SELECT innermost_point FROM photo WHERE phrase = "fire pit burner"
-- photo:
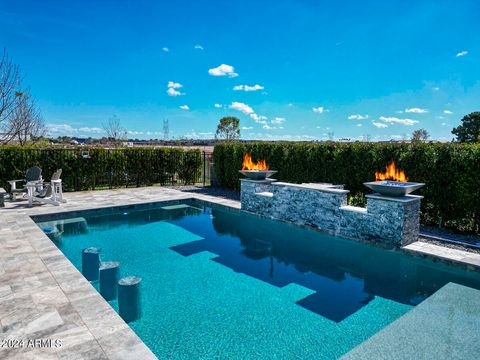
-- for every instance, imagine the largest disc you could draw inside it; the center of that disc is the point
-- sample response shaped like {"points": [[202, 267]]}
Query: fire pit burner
{"points": [[255, 170], [393, 188], [257, 174]]}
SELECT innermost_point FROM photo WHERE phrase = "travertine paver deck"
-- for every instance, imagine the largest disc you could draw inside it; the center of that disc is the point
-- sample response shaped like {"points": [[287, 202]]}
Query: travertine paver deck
{"points": [[44, 297]]}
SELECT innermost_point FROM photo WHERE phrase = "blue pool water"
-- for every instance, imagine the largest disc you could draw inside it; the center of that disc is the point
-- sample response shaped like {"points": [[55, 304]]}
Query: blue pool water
{"points": [[219, 283]]}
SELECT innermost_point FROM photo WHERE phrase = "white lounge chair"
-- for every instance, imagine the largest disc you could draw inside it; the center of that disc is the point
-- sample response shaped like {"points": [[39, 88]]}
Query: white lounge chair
{"points": [[49, 194], [33, 174]]}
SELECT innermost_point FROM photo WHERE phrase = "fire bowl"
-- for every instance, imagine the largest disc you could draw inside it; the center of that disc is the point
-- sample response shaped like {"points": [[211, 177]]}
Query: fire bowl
{"points": [[393, 188], [257, 174]]}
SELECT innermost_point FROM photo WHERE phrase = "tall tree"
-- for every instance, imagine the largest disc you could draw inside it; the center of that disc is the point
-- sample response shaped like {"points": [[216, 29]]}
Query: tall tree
{"points": [[469, 131], [420, 135], [9, 85], [228, 129], [115, 131]]}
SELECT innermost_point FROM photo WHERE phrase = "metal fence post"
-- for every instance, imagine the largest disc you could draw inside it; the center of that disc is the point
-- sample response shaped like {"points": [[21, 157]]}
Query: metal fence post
{"points": [[204, 167]]}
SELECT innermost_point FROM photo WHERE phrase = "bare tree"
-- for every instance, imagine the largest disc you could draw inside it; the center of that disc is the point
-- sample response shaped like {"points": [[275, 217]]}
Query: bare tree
{"points": [[25, 124], [115, 131], [420, 135], [9, 84]]}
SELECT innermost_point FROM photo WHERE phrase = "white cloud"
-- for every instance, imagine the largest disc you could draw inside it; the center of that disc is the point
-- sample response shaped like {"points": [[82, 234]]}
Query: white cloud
{"points": [[54, 128], [416, 110], [396, 120], [173, 92], [319, 109], [218, 106], [267, 127], [247, 127], [462, 53], [199, 47], [259, 118], [278, 120], [95, 130], [166, 49], [255, 87], [68, 129], [199, 135], [448, 112], [244, 108], [171, 86], [223, 70], [357, 117], [184, 107], [359, 125], [379, 125]]}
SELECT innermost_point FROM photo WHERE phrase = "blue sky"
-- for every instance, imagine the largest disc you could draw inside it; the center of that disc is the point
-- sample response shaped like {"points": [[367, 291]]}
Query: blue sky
{"points": [[288, 69]]}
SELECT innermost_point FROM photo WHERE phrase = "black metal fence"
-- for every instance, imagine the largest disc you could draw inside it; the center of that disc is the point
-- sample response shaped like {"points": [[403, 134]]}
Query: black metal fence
{"points": [[98, 168]]}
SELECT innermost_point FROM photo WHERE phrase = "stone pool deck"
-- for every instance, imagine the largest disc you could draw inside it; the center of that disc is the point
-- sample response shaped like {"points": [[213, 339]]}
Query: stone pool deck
{"points": [[43, 296]]}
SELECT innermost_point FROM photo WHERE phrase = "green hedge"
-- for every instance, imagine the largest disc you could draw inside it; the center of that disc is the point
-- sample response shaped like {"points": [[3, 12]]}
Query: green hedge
{"points": [[104, 168], [451, 171]]}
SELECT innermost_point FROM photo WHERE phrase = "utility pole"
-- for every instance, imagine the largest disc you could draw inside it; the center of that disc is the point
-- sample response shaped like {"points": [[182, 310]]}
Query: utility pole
{"points": [[166, 129]]}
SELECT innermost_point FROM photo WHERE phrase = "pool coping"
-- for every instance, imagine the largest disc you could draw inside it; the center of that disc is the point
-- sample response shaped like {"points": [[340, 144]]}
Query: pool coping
{"points": [[43, 296]]}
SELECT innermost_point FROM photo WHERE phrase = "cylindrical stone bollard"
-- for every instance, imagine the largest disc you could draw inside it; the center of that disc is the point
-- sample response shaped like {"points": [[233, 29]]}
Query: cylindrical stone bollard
{"points": [[90, 263], [129, 298], [109, 275]]}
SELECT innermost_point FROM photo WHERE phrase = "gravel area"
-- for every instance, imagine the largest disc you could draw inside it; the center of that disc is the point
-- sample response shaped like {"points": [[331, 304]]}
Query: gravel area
{"points": [[446, 238]]}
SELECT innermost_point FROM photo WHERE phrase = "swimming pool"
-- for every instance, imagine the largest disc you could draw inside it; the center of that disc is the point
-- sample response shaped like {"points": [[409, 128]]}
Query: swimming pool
{"points": [[219, 282]]}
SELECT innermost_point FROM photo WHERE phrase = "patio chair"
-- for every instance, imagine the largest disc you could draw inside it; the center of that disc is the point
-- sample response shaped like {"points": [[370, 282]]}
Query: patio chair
{"points": [[50, 193], [33, 174]]}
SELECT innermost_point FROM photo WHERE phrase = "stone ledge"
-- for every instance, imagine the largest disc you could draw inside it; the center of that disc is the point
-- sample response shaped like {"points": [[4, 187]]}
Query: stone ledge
{"points": [[401, 199], [265, 193], [312, 187], [357, 209], [266, 181]]}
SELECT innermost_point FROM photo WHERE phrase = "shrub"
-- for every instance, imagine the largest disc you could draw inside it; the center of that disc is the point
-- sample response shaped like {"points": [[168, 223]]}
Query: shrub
{"points": [[103, 168], [450, 171]]}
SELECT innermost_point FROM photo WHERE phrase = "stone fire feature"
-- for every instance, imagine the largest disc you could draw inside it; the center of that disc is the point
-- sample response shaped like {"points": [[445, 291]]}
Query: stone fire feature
{"points": [[385, 220]]}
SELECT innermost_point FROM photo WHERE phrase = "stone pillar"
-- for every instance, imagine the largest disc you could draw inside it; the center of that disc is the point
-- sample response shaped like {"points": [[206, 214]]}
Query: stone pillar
{"points": [[91, 263], [249, 189], [129, 295], [109, 276], [394, 219]]}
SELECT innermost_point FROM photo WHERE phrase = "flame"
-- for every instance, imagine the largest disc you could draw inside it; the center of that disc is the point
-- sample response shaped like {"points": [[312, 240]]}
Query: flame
{"points": [[248, 164], [391, 173]]}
